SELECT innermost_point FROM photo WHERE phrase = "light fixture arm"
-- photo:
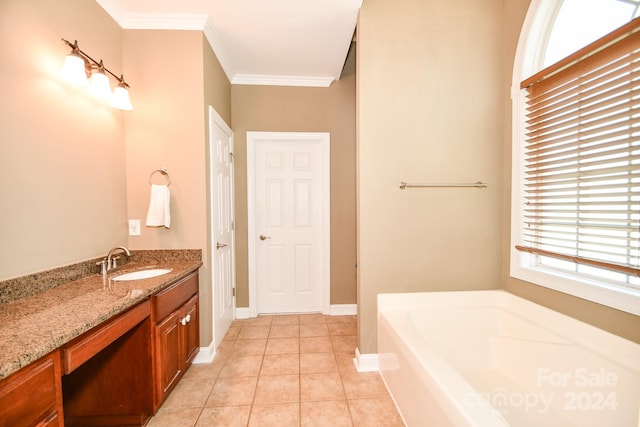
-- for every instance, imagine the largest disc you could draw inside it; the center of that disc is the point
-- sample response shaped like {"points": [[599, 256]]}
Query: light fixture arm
{"points": [[92, 63]]}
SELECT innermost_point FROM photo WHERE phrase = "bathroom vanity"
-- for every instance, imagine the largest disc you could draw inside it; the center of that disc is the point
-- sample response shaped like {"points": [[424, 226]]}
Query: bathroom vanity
{"points": [[97, 353]]}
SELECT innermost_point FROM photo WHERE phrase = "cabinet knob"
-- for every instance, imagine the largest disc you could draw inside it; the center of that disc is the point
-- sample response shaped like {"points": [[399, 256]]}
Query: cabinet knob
{"points": [[186, 319]]}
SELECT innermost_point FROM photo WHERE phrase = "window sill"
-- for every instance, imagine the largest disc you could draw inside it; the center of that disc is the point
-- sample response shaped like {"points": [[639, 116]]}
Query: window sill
{"points": [[626, 300]]}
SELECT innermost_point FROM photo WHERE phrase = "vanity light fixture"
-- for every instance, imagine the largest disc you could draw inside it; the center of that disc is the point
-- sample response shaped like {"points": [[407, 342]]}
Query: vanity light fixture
{"points": [[74, 68], [99, 84], [120, 99], [79, 67]]}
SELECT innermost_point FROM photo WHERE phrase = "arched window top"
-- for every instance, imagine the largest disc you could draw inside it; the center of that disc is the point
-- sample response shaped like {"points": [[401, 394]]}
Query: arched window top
{"points": [[580, 22], [575, 102]]}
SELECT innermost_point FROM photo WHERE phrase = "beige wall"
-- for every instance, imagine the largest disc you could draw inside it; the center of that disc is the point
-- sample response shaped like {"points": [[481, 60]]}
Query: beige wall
{"points": [[73, 170], [430, 109], [217, 89], [442, 72], [166, 129], [62, 169], [174, 77], [288, 109]]}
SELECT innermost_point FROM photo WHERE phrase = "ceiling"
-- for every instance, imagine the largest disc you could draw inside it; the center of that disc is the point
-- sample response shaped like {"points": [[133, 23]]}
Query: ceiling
{"points": [[266, 42]]}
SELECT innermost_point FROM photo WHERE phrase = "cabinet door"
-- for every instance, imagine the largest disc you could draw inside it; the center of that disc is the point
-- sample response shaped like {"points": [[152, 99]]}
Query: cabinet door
{"points": [[191, 330], [33, 394], [169, 354]]}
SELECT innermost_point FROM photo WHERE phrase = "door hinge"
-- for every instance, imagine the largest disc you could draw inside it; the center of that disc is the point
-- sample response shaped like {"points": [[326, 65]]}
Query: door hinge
{"points": [[231, 156], [233, 225], [234, 291]]}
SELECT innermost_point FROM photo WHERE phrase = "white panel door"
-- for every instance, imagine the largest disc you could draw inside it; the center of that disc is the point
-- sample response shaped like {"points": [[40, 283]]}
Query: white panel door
{"points": [[221, 149], [290, 217]]}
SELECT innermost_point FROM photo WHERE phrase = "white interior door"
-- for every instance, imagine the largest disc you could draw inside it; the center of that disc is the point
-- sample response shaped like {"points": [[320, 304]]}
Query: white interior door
{"points": [[222, 225], [290, 221]]}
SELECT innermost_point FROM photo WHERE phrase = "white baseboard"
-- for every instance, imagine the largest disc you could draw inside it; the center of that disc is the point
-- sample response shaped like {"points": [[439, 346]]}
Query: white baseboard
{"points": [[244, 313], [205, 354], [343, 309], [366, 362], [334, 310]]}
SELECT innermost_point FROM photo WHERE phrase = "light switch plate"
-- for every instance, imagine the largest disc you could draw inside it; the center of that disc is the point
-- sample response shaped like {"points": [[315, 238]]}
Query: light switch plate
{"points": [[134, 227]]}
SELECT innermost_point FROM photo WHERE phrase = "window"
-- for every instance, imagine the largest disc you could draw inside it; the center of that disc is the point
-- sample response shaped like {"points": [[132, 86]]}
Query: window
{"points": [[580, 22], [576, 211]]}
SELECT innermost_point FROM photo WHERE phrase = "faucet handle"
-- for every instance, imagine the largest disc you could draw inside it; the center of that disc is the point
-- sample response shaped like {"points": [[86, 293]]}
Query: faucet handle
{"points": [[114, 263], [103, 266]]}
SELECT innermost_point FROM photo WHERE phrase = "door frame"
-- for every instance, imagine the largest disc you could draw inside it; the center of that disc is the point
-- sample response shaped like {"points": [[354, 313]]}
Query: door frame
{"points": [[324, 139], [215, 118]]}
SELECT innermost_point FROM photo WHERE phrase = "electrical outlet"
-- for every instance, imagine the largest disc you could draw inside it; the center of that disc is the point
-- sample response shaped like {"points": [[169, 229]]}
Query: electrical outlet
{"points": [[134, 227]]}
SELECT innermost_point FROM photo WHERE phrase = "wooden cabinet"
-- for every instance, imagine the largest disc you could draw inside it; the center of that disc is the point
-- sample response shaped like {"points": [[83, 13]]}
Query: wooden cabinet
{"points": [[176, 334], [33, 395], [117, 373], [108, 372]]}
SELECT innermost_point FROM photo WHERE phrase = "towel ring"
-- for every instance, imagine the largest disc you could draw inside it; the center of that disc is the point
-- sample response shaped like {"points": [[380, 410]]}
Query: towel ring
{"points": [[163, 171]]}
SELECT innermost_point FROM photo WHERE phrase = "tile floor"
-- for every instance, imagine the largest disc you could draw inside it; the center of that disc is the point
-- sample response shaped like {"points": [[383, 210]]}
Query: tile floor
{"points": [[281, 370]]}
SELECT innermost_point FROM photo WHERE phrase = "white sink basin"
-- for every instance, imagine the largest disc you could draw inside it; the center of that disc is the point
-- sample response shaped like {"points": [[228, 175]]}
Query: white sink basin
{"points": [[142, 274]]}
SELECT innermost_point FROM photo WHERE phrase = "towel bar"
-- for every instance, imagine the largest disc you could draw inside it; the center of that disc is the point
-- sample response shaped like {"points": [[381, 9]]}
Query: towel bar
{"points": [[478, 184]]}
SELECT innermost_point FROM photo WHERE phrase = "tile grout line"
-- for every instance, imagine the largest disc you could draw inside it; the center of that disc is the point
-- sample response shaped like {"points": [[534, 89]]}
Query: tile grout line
{"points": [[215, 380], [341, 380], [299, 378], [255, 391]]}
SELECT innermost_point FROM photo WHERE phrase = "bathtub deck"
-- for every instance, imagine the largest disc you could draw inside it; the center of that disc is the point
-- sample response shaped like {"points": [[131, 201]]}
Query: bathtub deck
{"points": [[489, 358]]}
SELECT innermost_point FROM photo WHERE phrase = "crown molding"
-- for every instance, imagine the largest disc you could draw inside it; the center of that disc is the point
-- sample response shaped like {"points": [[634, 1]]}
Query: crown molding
{"points": [[268, 80], [163, 21], [133, 21], [202, 22], [114, 10], [212, 37], [153, 21]]}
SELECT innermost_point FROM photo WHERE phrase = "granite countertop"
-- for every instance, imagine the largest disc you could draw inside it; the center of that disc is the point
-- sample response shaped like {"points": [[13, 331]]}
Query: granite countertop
{"points": [[34, 326]]}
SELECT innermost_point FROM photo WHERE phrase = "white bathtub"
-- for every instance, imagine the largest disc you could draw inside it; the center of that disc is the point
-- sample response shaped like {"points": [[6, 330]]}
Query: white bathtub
{"points": [[490, 358]]}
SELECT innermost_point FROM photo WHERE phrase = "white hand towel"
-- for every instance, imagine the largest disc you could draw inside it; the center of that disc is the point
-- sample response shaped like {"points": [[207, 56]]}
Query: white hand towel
{"points": [[159, 214]]}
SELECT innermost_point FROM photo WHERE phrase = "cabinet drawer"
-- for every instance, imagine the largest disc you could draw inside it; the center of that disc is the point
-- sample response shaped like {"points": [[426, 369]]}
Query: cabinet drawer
{"points": [[168, 300], [29, 395], [88, 345]]}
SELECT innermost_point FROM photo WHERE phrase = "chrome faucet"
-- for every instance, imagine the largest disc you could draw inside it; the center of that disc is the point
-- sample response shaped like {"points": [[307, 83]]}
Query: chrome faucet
{"points": [[111, 262]]}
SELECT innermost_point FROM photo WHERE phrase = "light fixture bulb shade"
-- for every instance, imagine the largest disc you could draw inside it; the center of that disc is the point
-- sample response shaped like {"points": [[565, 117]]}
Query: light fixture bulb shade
{"points": [[73, 70], [121, 99], [99, 86]]}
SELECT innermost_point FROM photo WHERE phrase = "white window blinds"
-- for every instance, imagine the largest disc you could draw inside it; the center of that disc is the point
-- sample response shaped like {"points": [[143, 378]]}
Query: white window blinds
{"points": [[582, 178]]}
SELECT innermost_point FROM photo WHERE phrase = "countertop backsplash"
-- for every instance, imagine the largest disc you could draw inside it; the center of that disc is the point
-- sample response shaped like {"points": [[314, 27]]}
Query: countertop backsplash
{"points": [[34, 283], [166, 255]]}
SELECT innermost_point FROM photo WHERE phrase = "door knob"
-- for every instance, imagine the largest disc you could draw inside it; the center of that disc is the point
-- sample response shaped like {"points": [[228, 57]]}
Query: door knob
{"points": [[263, 237], [220, 245]]}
